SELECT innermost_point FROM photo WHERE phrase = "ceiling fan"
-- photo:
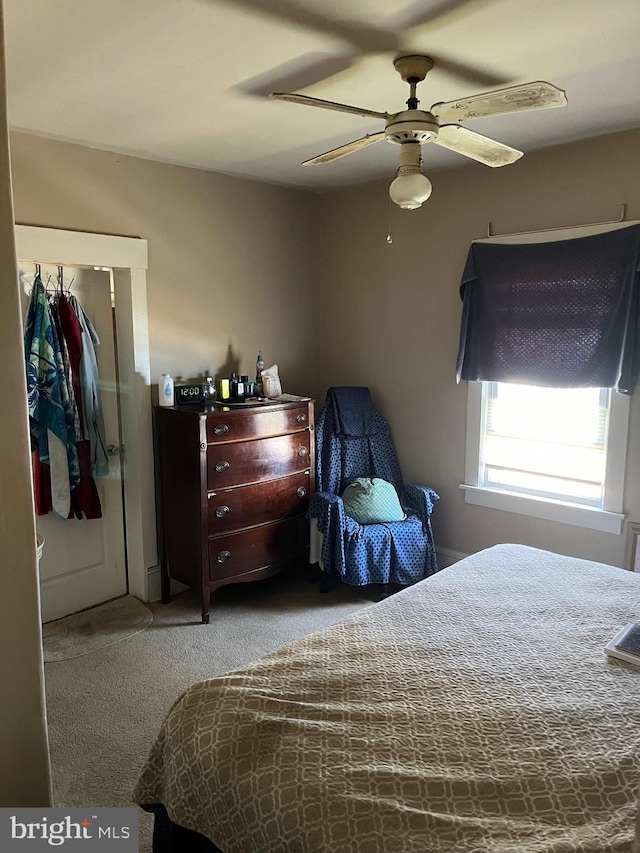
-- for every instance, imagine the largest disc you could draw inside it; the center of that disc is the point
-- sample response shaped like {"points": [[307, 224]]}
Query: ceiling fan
{"points": [[413, 127]]}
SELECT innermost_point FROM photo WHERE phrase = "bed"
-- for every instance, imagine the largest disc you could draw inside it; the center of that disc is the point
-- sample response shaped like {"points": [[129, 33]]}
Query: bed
{"points": [[474, 711]]}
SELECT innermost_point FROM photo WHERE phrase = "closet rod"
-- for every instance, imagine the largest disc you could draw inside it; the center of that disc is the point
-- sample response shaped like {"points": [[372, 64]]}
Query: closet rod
{"points": [[623, 213], [57, 264]]}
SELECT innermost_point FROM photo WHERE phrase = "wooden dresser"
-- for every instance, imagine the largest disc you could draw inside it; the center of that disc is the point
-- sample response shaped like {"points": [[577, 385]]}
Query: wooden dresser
{"points": [[232, 487]]}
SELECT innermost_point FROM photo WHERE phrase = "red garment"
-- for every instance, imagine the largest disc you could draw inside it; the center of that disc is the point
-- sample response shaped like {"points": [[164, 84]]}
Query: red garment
{"points": [[85, 498], [41, 485]]}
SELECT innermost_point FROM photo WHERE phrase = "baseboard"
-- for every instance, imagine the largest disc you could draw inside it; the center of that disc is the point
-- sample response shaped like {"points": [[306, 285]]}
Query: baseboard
{"points": [[447, 557], [154, 585]]}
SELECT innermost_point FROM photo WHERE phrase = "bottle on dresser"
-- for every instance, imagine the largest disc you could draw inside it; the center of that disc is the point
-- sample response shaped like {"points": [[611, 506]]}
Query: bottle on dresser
{"points": [[165, 390], [240, 389], [259, 369], [233, 386]]}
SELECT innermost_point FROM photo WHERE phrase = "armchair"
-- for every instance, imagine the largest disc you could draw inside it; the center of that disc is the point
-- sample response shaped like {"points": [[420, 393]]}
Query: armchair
{"points": [[352, 441]]}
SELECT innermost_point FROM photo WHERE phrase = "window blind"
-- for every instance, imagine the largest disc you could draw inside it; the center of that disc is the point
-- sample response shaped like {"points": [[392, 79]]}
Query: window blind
{"points": [[559, 313]]}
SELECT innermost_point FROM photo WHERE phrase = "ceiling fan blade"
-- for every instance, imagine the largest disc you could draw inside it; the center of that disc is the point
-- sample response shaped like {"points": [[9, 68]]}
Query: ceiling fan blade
{"points": [[326, 105], [475, 145], [528, 96], [343, 150]]}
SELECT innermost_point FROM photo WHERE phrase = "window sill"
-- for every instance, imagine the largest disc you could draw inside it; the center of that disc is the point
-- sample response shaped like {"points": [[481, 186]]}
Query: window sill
{"points": [[550, 510]]}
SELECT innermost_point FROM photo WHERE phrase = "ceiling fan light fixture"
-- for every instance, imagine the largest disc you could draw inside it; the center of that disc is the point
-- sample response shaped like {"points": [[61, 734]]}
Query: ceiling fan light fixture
{"points": [[410, 188]]}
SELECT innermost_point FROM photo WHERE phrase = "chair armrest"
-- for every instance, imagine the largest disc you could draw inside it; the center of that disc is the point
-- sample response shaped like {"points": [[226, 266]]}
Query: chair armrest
{"points": [[326, 506], [323, 503], [421, 500], [334, 524]]}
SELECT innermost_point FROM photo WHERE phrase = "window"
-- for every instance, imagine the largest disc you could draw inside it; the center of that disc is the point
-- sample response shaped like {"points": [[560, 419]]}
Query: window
{"points": [[551, 453], [549, 442]]}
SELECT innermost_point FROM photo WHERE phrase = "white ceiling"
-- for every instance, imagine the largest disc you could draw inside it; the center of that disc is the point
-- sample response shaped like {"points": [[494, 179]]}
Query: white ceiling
{"points": [[185, 81]]}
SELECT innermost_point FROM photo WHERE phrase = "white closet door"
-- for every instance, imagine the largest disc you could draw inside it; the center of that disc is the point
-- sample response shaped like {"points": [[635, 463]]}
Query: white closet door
{"points": [[83, 562]]}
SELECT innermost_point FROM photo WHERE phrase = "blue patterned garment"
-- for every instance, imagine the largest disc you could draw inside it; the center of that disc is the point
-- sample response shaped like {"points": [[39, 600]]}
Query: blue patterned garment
{"points": [[353, 440], [50, 413]]}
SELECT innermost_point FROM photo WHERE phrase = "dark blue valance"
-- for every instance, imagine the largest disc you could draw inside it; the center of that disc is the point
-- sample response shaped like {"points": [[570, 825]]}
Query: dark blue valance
{"points": [[563, 314]]}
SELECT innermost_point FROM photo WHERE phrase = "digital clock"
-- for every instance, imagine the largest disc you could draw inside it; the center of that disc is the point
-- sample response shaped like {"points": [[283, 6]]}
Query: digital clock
{"points": [[187, 394]]}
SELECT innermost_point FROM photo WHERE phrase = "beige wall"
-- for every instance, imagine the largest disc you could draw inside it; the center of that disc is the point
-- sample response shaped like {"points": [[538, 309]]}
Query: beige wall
{"points": [[24, 757], [391, 312], [229, 259]]}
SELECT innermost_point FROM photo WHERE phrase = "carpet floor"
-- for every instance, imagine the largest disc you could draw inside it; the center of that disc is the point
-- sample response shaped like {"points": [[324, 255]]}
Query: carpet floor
{"points": [[105, 708]]}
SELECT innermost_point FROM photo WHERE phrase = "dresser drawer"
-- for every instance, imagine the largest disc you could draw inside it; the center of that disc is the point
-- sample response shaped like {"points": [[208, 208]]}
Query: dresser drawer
{"points": [[254, 461], [234, 509], [255, 423], [238, 553]]}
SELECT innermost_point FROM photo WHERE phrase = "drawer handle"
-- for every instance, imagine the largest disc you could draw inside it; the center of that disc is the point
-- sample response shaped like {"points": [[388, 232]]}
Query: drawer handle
{"points": [[222, 511], [221, 429], [223, 556], [301, 491], [301, 418], [222, 466], [302, 451]]}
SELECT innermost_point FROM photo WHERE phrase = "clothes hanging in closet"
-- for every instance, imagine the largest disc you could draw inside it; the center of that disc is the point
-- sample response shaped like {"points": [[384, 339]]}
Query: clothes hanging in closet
{"points": [[50, 417], [65, 409], [84, 498]]}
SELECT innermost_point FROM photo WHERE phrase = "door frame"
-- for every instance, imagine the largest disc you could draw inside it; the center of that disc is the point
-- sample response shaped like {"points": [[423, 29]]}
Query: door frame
{"points": [[127, 258]]}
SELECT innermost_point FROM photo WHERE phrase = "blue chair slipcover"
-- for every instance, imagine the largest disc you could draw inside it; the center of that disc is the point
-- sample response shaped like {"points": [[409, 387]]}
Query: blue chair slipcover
{"points": [[353, 440]]}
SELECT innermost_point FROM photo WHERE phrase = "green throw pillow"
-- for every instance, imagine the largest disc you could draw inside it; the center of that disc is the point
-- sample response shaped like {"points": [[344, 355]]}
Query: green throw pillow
{"points": [[370, 500]]}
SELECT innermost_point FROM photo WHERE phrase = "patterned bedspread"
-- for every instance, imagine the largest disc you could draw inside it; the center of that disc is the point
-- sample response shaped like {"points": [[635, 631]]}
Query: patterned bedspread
{"points": [[475, 711]]}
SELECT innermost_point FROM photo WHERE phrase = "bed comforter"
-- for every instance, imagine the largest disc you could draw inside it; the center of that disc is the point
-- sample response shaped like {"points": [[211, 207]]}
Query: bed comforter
{"points": [[473, 712]]}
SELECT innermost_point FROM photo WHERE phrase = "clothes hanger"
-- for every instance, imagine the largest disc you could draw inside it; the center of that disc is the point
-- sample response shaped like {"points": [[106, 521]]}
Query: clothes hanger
{"points": [[36, 275], [64, 290]]}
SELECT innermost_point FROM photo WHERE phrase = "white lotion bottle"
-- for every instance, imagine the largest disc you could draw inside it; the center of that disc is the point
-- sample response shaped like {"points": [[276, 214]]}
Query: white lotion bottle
{"points": [[165, 395]]}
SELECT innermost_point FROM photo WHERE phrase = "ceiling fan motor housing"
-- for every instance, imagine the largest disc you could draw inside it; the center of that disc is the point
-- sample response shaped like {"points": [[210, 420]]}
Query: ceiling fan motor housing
{"points": [[411, 126]]}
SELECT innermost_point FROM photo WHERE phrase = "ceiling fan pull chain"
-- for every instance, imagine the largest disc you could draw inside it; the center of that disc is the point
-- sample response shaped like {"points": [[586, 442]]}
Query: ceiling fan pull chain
{"points": [[389, 237]]}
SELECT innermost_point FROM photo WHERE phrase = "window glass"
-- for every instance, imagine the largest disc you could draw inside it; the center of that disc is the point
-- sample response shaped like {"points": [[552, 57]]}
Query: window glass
{"points": [[550, 442]]}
